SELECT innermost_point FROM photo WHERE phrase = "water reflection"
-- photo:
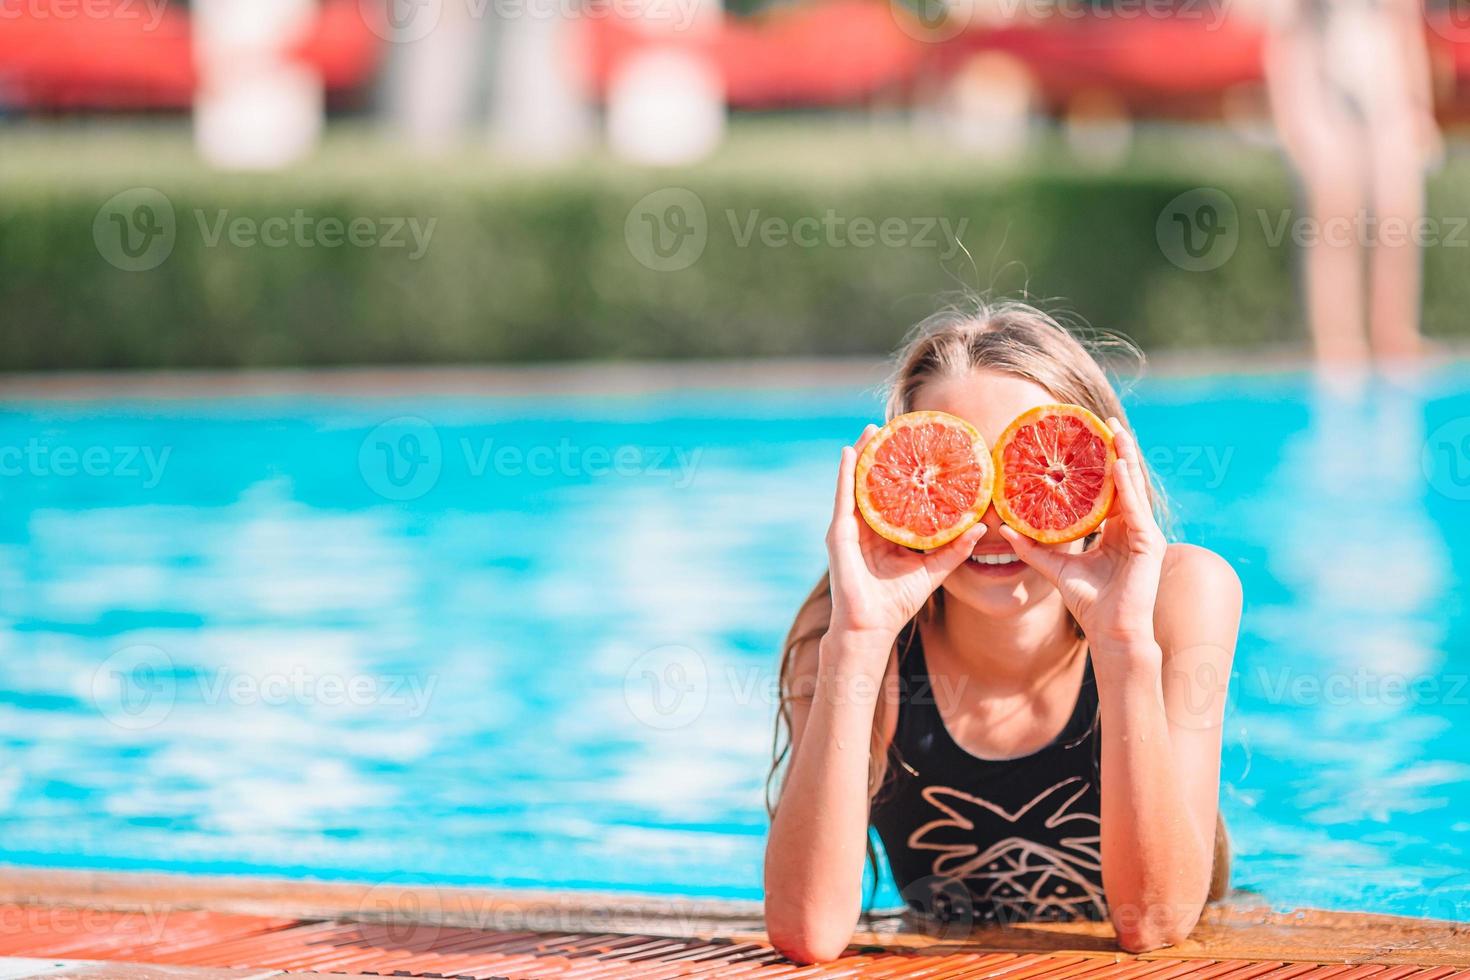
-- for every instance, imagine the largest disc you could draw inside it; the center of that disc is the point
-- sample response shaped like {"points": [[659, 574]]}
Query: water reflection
{"points": [[567, 678], [1342, 697]]}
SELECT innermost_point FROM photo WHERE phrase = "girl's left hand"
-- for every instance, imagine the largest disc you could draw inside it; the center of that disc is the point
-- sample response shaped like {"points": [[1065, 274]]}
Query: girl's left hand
{"points": [[1110, 589]]}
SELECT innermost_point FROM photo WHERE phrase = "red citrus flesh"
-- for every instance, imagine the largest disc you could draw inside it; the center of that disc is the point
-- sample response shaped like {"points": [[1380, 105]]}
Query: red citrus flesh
{"points": [[1054, 473], [924, 479]]}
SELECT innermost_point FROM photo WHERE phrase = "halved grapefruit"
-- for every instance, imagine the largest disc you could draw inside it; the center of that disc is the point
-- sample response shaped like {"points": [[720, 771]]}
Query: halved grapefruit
{"points": [[924, 479], [1054, 473]]}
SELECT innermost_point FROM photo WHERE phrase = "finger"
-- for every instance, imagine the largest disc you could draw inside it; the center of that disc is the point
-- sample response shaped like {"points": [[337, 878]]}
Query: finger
{"points": [[1128, 482], [1124, 445], [1132, 500], [844, 504], [1139, 476], [1121, 449], [1046, 561], [947, 558]]}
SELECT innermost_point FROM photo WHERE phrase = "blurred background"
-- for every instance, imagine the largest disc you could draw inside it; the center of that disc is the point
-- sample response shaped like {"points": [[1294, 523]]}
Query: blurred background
{"points": [[418, 417]]}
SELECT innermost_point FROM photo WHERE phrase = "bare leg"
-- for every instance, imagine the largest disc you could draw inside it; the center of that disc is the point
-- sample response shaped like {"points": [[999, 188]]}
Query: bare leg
{"points": [[1334, 263], [1325, 143], [1395, 273]]}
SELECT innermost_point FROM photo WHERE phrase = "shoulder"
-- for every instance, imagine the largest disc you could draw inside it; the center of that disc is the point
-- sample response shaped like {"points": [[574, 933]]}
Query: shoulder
{"points": [[1199, 600], [1192, 570]]}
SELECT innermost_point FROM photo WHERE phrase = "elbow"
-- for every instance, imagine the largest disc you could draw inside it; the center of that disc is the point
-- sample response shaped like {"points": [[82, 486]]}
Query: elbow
{"points": [[807, 948], [1143, 934], [805, 942], [1142, 939]]}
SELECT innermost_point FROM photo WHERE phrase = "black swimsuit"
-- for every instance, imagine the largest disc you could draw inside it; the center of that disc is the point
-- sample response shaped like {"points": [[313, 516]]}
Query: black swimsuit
{"points": [[988, 840]]}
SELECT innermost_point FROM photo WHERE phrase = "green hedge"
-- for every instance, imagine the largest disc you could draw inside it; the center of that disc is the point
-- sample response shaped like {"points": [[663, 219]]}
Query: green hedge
{"points": [[537, 266]]}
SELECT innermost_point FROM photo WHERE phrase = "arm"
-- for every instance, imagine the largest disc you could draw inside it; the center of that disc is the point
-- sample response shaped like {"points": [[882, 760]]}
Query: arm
{"points": [[1152, 614], [1163, 703], [814, 855]]}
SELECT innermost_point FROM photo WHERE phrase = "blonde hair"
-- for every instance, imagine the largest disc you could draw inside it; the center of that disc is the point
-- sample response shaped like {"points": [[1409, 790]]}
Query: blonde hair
{"points": [[1009, 337]]}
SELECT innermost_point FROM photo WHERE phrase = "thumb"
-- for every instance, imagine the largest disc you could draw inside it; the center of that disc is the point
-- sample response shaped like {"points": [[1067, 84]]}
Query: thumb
{"points": [[1049, 563], [946, 558]]}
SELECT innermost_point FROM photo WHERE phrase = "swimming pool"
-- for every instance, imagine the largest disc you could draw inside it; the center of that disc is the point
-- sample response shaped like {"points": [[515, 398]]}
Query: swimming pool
{"points": [[530, 641]]}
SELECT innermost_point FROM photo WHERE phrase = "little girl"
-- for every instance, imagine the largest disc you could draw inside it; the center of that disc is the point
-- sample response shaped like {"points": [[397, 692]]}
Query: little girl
{"points": [[1032, 730]]}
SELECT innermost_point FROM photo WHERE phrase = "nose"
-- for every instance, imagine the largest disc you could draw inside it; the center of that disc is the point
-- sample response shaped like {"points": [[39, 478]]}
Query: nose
{"points": [[991, 520]]}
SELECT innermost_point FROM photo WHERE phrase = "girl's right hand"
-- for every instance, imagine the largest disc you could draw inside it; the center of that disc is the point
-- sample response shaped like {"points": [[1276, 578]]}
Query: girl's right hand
{"points": [[878, 586]]}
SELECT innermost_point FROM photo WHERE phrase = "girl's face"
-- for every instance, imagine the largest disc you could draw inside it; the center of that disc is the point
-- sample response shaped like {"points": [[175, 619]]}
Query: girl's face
{"points": [[990, 401]]}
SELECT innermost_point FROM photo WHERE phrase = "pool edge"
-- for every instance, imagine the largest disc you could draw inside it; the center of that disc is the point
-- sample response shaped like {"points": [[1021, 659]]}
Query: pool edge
{"points": [[1234, 931]]}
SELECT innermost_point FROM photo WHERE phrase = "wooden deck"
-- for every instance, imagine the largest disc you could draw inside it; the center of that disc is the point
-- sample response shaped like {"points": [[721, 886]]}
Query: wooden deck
{"points": [[151, 927]]}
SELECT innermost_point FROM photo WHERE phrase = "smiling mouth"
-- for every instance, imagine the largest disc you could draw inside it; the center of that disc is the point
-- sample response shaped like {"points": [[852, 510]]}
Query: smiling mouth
{"points": [[998, 559]]}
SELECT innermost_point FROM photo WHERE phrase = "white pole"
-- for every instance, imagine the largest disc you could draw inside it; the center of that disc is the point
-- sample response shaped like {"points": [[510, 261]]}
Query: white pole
{"points": [[539, 108], [666, 103], [255, 109], [439, 48]]}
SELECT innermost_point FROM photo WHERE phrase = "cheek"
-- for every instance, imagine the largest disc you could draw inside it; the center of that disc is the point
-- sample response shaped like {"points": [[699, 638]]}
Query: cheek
{"points": [[1073, 547]]}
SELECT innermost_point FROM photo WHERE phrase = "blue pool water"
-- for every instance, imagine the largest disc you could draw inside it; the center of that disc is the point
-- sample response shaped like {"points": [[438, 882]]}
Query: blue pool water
{"points": [[531, 641]]}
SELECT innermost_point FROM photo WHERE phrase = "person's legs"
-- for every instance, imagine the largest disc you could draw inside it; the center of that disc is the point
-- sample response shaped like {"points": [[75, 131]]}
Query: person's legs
{"points": [[1333, 261], [1325, 140], [1395, 261]]}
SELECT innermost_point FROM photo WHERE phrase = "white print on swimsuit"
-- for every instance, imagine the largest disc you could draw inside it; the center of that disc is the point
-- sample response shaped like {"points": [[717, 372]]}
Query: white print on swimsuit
{"points": [[36, 459], [68, 10], [1022, 877], [1365, 229], [833, 230], [302, 230], [569, 459]]}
